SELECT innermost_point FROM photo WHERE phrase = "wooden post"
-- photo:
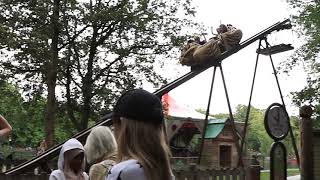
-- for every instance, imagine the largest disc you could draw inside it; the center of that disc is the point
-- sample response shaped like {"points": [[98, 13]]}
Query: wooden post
{"points": [[253, 172], [306, 165]]}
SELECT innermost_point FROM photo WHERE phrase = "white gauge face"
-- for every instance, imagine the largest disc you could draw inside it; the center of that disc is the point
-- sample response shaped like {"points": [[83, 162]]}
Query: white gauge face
{"points": [[277, 121]]}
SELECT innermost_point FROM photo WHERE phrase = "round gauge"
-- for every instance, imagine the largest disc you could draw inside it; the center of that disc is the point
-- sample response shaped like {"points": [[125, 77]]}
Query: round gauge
{"points": [[276, 121]]}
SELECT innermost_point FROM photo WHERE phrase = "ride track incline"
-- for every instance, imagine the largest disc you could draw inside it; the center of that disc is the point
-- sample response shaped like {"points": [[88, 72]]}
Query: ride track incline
{"points": [[106, 120]]}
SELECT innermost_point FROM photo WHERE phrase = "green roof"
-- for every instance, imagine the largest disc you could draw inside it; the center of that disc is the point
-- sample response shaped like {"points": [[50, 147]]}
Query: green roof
{"points": [[214, 127], [216, 121]]}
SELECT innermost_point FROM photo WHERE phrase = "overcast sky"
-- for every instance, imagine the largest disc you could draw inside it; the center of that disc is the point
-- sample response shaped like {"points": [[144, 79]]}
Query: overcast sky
{"points": [[251, 16]]}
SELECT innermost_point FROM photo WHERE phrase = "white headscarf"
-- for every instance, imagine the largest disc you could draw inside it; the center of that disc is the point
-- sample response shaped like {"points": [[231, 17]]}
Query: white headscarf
{"points": [[63, 165], [100, 143]]}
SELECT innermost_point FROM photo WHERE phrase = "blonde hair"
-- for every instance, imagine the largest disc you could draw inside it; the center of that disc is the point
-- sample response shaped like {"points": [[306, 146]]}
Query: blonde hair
{"points": [[100, 143], [146, 143]]}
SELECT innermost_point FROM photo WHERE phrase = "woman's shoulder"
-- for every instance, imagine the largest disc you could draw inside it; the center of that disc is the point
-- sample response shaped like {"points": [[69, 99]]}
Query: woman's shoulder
{"points": [[56, 174], [99, 167], [86, 176], [59, 175], [107, 163], [129, 169]]}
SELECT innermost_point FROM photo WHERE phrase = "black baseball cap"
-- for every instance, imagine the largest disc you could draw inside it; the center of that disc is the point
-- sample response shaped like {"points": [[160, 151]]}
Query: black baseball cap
{"points": [[140, 105]]}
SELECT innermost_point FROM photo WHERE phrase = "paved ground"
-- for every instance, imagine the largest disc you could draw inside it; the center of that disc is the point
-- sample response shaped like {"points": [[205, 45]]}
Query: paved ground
{"points": [[297, 177]]}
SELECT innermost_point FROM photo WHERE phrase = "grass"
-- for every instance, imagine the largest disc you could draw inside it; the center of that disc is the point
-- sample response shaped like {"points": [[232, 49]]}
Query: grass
{"points": [[265, 175]]}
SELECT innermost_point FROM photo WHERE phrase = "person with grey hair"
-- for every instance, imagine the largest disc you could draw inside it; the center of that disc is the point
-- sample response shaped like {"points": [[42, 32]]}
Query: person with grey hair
{"points": [[100, 150]]}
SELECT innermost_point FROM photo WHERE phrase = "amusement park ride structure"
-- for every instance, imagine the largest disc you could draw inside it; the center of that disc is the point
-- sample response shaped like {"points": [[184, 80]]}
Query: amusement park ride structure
{"points": [[42, 160]]}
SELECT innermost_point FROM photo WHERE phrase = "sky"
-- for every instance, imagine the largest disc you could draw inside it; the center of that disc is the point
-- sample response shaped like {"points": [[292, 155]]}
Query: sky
{"points": [[251, 16]]}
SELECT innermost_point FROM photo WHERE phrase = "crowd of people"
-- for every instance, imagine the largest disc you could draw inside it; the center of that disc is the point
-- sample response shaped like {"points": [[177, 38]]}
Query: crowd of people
{"points": [[136, 149]]}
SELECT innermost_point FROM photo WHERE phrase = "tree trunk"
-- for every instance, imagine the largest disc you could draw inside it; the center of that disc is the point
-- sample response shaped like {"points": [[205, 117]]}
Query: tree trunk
{"points": [[88, 81], [87, 91], [51, 77]]}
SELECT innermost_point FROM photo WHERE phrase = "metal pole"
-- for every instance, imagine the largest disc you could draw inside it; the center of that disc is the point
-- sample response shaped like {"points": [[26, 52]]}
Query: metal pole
{"points": [[207, 115], [275, 72], [249, 104], [240, 163], [226, 92], [281, 96]]}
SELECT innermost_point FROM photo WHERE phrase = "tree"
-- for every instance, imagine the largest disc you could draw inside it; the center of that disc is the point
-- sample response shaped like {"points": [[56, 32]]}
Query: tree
{"points": [[51, 74], [95, 49], [203, 111], [30, 29], [26, 117], [11, 107], [294, 122], [307, 21], [116, 48], [257, 138]]}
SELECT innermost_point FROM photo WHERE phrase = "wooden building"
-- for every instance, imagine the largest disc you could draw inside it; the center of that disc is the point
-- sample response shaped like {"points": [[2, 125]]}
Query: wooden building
{"points": [[184, 129], [219, 150]]}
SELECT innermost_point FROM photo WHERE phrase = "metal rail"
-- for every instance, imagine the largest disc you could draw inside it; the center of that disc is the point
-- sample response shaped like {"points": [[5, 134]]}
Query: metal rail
{"points": [[81, 136]]}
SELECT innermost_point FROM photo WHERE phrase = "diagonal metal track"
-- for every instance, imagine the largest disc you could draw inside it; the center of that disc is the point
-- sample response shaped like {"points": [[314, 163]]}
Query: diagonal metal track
{"points": [[81, 136]]}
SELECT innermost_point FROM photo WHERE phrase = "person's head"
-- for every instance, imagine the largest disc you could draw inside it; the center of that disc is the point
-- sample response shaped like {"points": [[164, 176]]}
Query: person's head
{"points": [[222, 29], [71, 158], [76, 159], [43, 144], [138, 121], [197, 39], [100, 143]]}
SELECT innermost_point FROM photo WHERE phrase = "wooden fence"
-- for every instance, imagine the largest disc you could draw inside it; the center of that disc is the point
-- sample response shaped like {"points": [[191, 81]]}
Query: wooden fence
{"points": [[196, 174], [210, 174], [25, 177], [7, 164], [176, 162]]}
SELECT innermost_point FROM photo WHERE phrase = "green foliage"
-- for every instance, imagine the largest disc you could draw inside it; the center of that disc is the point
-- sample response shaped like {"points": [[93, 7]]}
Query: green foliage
{"points": [[26, 116], [265, 175], [294, 122], [257, 138], [221, 116], [203, 111], [307, 22], [11, 107], [104, 48]]}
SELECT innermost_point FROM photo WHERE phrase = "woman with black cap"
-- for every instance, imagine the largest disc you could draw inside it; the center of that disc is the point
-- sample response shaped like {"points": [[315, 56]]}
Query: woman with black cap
{"points": [[143, 153]]}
